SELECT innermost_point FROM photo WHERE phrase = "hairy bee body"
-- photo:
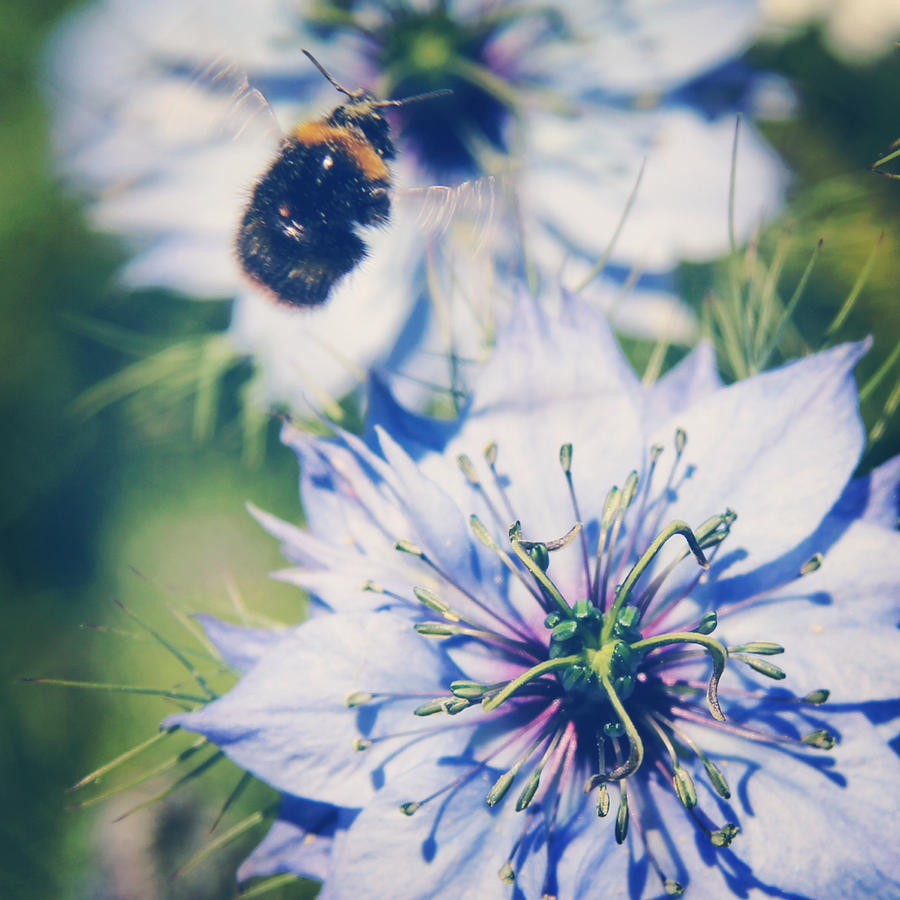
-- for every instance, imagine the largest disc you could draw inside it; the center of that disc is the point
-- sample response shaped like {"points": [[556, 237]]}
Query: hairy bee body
{"points": [[298, 235]]}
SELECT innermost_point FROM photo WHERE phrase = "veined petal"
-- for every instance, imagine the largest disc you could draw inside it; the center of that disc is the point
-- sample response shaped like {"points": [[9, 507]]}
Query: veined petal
{"points": [[838, 625], [287, 721], [782, 469], [452, 848]]}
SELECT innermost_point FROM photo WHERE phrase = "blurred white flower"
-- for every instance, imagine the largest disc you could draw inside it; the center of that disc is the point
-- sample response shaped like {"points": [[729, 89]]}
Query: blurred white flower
{"points": [[573, 101]]}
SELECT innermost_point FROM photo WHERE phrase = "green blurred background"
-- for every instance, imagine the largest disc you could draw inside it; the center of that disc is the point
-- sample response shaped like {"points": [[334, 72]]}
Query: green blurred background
{"points": [[127, 505]]}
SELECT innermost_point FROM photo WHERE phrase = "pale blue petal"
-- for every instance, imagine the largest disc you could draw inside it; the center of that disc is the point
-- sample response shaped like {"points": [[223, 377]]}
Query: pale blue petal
{"points": [[815, 824], [452, 848], [838, 625], [300, 840], [241, 647], [689, 382], [874, 497], [777, 448], [287, 720]]}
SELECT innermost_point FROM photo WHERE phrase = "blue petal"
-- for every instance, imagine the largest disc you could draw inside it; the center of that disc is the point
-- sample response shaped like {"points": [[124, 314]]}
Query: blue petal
{"points": [[241, 647], [300, 840], [287, 720], [453, 847], [874, 497], [815, 824], [692, 380], [418, 434], [777, 448], [838, 625]]}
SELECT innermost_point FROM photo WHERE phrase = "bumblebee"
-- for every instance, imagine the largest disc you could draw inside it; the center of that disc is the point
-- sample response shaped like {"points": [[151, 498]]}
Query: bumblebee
{"points": [[298, 235]]}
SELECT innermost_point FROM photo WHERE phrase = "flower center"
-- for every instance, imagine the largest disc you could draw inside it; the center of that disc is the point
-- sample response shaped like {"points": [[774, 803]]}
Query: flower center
{"points": [[604, 693]]}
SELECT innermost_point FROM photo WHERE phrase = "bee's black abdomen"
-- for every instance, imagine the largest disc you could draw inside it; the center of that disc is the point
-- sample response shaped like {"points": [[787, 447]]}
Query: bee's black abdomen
{"points": [[298, 234]]}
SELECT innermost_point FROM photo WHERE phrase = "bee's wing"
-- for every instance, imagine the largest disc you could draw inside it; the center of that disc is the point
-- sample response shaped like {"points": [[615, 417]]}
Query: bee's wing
{"points": [[246, 110], [477, 205]]}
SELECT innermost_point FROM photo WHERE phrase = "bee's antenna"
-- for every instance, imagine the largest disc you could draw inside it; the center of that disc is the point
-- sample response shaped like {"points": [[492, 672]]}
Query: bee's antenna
{"points": [[415, 98], [324, 71]]}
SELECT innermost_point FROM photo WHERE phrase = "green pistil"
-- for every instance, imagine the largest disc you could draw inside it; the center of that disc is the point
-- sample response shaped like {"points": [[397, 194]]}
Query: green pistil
{"points": [[717, 652], [627, 586], [635, 745], [549, 665]]}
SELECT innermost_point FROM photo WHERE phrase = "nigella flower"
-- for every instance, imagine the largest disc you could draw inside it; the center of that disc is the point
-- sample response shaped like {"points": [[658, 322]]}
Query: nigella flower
{"points": [[591, 639], [571, 97]]}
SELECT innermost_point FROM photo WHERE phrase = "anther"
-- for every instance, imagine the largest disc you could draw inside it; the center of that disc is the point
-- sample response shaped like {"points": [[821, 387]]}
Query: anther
{"points": [[817, 698], [812, 565], [431, 600], [722, 837], [468, 469], [764, 667], [763, 648], [507, 873], [602, 801], [357, 698], [410, 548], [622, 817], [410, 808], [820, 739]]}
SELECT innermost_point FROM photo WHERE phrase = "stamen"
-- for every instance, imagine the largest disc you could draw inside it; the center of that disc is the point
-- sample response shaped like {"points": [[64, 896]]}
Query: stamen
{"points": [[764, 667], [357, 698], [431, 600], [610, 507], [538, 572], [485, 537], [413, 550], [625, 499], [534, 781], [622, 814], [715, 775], [447, 629], [490, 456], [504, 782], [468, 469], [821, 740], [681, 779], [565, 460]]}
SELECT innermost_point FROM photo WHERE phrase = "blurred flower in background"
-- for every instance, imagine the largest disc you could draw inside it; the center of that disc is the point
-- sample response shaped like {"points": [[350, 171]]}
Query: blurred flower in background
{"points": [[857, 31], [569, 104], [460, 658]]}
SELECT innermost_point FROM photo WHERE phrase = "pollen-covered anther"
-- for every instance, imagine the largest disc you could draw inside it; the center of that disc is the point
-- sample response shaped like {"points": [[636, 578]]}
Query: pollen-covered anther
{"points": [[357, 698], [820, 739], [812, 565]]}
